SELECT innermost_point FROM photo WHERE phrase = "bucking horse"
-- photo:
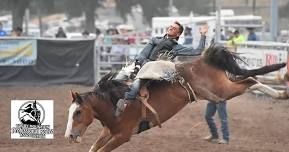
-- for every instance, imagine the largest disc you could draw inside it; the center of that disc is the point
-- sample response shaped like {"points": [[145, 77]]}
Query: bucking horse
{"points": [[205, 77]]}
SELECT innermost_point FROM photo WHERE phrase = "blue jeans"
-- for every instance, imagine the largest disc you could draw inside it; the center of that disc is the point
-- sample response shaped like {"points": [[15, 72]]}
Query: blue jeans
{"points": [[222, 111], [134, 89]]}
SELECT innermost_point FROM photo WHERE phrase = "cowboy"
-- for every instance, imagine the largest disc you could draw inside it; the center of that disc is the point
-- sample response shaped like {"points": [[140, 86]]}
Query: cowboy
{"points": [[156, 46]]}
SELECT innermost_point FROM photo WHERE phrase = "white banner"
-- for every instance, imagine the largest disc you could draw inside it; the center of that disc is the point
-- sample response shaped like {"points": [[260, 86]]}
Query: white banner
{"points": [[256, 58]]}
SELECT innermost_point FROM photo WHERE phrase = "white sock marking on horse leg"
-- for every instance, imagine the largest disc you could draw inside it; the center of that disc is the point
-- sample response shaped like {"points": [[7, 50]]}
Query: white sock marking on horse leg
{"points": [[265, 89], [72, 108]]}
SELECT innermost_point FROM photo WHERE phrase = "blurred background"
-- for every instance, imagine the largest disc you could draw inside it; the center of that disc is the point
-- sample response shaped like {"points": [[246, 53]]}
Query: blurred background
{"points": [[43, 18], [103, 35]]}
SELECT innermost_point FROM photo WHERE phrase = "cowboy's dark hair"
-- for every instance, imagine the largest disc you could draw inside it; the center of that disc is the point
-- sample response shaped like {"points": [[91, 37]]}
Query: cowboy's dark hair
{"points": [[181, 28]]}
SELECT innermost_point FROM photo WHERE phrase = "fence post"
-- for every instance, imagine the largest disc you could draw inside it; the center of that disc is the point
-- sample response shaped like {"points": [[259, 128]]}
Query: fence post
{"points": [[96, 61]]}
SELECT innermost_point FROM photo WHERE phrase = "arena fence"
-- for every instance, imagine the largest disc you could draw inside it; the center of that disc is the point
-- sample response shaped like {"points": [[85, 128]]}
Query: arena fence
{"points": [[85, 61]]}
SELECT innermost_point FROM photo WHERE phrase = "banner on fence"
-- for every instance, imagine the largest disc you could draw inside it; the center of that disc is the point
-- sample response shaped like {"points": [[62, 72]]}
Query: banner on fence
{"points": [[256, 58], [17, 52], [58, 62]]}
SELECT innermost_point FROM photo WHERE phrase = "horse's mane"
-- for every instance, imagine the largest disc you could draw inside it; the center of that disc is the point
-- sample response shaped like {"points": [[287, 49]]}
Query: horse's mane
{"points": [[109, 89], [222, 58]]}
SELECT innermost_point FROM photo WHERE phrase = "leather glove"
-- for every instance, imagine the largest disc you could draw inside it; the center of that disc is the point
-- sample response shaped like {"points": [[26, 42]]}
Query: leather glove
{"points": [[136, 69]]}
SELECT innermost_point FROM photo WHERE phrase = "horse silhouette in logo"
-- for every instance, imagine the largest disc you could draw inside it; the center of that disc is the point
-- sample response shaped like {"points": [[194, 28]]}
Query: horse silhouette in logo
{"points": [[31, 114]]}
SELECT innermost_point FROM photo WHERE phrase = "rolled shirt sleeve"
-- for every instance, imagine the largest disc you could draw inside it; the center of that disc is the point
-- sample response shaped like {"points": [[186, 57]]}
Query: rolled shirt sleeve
{"points": [[180, 50]]}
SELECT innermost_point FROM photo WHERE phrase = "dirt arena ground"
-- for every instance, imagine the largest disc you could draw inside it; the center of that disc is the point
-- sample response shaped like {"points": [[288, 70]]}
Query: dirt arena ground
{"points": [[257, 124]]}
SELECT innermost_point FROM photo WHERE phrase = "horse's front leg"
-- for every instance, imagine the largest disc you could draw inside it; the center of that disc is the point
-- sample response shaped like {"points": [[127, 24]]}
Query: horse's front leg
{"points": [[101, 140], [115, 142]]}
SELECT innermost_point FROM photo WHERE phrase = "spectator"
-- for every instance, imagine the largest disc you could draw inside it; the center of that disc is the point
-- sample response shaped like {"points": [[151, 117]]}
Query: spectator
{"points": [[108, 37], [60, 33], [2, 32], [229, 35], [97, 32], [85, 34], [119, 52], [17, 32], [222, 36], [212, 108], [236, 39], [98, 36], [252, 36]]}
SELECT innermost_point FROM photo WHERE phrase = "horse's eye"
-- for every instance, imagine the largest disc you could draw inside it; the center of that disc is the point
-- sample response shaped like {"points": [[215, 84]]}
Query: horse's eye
{"points": [[78, 113]]}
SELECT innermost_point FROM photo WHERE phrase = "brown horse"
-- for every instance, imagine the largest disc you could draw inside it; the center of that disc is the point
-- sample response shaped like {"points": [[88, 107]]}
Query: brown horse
{"points": [[206, 76]]}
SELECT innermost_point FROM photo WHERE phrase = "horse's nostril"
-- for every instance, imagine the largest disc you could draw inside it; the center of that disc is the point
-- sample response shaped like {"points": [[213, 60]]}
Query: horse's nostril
{"points": [[70, 136]]}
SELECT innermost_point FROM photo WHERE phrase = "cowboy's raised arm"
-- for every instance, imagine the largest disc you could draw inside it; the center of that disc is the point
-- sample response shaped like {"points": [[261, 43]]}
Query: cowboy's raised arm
{"points": [[181, 50]]}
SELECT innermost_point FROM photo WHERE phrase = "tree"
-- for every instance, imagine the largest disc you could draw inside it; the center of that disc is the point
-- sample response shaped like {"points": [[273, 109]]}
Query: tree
{"points": [[76, 8], [124, 7], [284, 10], [196, 6], [89, 8], [18, 10], [153, 8], [150, 8]]}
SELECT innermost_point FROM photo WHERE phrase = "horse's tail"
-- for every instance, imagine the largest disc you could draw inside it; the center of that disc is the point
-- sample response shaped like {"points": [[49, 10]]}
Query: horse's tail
{"points": [[260, 71], [222, 58]]}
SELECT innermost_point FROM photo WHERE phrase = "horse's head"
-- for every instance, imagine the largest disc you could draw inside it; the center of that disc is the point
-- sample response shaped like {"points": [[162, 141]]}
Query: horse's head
{"points": [[79, 118]]}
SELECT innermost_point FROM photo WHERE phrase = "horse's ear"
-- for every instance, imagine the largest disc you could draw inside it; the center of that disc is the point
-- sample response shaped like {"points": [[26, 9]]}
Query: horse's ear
{"points": [[78, 98], [73, 94]]}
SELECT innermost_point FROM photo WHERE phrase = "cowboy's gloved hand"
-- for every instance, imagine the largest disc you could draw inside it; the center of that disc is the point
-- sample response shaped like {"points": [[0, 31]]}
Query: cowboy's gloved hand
{"points": [[136, 69]]}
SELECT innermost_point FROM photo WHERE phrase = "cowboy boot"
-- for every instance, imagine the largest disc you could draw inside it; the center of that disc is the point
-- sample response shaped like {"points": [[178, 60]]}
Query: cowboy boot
{"points": [[129, 96]]}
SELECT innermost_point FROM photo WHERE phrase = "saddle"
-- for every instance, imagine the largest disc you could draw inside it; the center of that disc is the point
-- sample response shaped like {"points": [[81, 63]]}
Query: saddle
{"points": [[157, 70], [161, 71]]}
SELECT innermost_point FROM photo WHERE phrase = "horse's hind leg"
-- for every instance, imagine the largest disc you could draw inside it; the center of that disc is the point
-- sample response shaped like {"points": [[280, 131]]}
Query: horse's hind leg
{"points": [[239, 87], [101, 140], [269, 91], [115, 141], [207, 94]]}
